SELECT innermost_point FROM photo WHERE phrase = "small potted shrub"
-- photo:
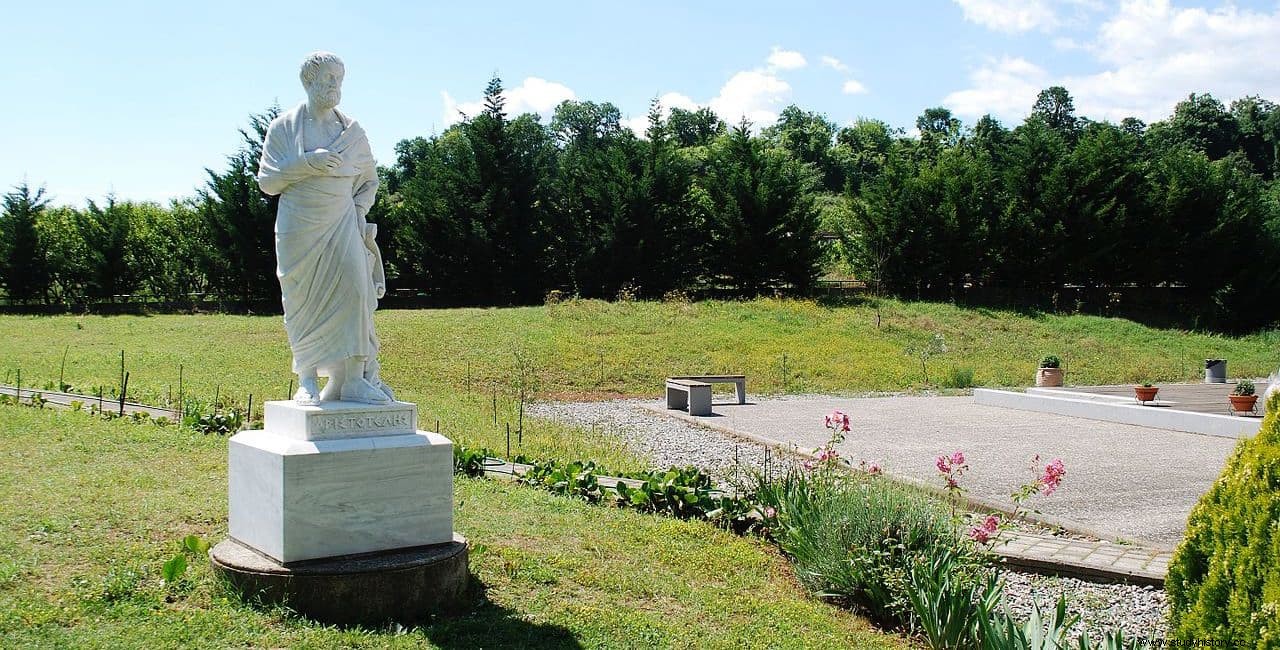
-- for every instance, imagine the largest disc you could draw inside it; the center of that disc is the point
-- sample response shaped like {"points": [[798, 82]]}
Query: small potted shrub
{"points": [[1050, 372], [1145, 393], [1243, 398]]}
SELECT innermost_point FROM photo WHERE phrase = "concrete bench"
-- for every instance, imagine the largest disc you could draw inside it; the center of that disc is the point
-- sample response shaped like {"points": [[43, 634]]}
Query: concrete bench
{"points": [[690, 394], [739, 382]]}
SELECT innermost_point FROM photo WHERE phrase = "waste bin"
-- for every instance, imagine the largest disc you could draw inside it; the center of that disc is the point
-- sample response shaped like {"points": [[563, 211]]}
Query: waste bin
{"points": [[1215, 371]]}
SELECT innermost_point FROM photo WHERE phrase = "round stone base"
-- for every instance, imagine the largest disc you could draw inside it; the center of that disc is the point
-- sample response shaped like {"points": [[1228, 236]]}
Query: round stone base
{"points": [[404, 585]]}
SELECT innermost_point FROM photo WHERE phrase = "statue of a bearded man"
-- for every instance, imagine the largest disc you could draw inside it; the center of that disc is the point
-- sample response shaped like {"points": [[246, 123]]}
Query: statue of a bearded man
{"points": [[319, 161]]}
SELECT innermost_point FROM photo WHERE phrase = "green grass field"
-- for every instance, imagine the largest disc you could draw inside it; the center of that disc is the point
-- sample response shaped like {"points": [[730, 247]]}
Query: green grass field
{"points": [[91, 509]]}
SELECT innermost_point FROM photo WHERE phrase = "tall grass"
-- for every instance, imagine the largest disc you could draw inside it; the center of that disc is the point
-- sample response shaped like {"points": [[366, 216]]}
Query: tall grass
{"points": [[857, 537]]}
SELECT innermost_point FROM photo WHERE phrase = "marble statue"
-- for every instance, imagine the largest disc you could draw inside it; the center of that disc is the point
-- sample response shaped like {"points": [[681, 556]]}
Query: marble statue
{"points": [[319, 161]]}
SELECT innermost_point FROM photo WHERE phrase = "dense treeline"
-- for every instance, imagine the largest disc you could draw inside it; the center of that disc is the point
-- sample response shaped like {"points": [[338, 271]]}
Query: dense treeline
{"points": [[502, 209]]}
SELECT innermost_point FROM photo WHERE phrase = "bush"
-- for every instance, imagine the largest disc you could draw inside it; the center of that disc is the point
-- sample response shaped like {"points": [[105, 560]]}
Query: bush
{"points": [[1051, 361], [858, 537], [1224, 581], [959, 378]]}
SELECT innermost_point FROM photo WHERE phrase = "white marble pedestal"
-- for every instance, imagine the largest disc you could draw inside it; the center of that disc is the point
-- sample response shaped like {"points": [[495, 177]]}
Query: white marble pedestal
{"points": [[339, 479]]}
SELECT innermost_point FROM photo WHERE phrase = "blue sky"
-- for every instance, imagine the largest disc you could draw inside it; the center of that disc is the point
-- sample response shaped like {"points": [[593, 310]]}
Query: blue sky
{"points": [[137, 98]]}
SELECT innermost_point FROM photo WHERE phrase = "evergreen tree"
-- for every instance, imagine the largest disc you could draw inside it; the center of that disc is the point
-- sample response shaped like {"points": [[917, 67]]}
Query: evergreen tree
{"points": [[239, 221], [597, 229], [514, 161], [761, 218], [24, 264], [114, 257], [668, 258]]}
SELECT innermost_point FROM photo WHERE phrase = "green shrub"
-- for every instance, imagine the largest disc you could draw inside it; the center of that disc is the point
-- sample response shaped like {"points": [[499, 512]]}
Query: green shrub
{"points": [[1224, 582], [857, 537], [958, 378], [1050, 361]]}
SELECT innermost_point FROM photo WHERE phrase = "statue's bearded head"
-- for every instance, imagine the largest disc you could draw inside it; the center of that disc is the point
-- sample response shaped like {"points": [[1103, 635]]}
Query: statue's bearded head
{"points": [[321, 76]]}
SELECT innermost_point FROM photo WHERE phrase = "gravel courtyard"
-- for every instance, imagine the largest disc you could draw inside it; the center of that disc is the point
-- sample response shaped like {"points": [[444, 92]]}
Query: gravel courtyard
{"points": [[1125, 482]]}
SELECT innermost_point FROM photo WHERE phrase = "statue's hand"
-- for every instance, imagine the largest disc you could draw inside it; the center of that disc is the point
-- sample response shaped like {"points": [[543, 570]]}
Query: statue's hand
{"points": [[322, 160], [379, 290]]}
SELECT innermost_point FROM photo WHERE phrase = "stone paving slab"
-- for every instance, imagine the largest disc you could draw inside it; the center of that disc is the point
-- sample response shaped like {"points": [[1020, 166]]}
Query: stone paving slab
{"points": [[1085, 559], [1124, 482]]}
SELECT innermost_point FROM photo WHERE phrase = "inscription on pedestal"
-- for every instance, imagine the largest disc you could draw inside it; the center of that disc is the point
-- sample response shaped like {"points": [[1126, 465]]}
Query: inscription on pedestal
{"points": [[363, 423], [335, 420]]}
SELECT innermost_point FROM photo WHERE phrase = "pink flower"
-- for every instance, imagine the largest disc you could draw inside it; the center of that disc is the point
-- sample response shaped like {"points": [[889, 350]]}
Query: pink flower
{"points": [[828, 454], [837, 419], [983, 532], [957, 459], [943, 465], [874, 469], [810, 464], [1053, 473], [769, 512]]}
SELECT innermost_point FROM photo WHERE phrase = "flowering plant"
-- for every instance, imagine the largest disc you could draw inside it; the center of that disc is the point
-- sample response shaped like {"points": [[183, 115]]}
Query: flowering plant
{"points": [[952, 468], [1044, 482], [838, 422]]}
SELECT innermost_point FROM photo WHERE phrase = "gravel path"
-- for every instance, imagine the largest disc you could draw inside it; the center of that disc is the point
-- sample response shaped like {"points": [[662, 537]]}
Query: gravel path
{"points": [[1138, 611], [668, 442]]}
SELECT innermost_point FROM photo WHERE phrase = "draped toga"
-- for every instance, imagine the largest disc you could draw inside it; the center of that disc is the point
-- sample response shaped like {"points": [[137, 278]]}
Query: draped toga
{"points": [[321, 259]]}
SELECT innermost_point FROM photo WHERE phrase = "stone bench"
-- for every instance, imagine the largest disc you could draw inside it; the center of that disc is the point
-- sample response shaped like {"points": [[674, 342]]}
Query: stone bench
{"points": [[739, 382], [689, 394]]}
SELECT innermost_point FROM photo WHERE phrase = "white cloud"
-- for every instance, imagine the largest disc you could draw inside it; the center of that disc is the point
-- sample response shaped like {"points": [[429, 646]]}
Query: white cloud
{"points": [[757, 94], [533, 95], [669, 101], [834, 63], [1065, 44], [853, 87], [1151, 56], [780, 59], [753, 94], [1010, 16], [1006, 87], [640, 123]]}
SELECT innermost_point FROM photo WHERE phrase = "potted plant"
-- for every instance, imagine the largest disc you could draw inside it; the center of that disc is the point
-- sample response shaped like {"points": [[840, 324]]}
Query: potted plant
{"points": [[1243, 398], [1145, 393], [1050, 372]]}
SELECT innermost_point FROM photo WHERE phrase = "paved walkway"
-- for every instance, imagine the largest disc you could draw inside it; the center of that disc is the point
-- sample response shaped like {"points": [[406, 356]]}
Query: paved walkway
{"points": [[1085, 559], [64, 400], [1123, 482]]}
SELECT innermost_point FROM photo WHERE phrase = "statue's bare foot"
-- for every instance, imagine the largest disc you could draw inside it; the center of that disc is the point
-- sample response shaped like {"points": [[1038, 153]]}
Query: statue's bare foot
{"points": [[386, 390], [360, 390], [376, 381], [308, 393]]}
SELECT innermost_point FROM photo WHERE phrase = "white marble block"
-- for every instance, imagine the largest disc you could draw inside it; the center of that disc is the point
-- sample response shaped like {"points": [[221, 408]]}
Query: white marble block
{"points": [[294, 499], [334, 420]]}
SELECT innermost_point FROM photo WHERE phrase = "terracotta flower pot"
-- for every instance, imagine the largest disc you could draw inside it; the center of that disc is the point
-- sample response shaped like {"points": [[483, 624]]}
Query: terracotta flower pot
{"points": [[1050, 377], [1242, 403], [1145, 393]]}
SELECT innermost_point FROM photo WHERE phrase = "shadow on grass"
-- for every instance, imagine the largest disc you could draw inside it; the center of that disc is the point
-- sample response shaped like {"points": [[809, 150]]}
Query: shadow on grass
{"points": [[485, 624], [476, 622], [492, 626]]}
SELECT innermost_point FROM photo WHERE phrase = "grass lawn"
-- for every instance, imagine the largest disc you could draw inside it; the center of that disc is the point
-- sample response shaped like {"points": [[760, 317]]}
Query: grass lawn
{"points": [[91, 509]]}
